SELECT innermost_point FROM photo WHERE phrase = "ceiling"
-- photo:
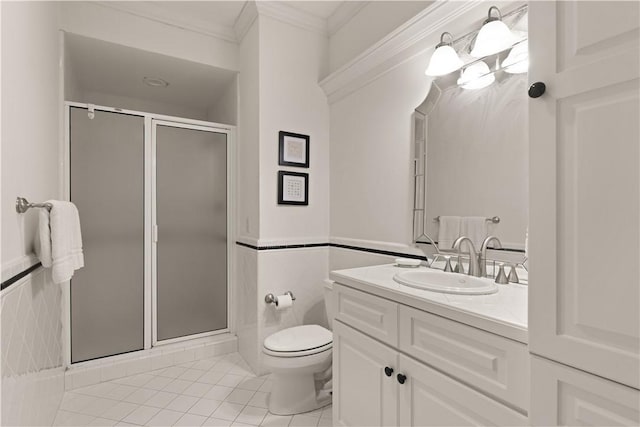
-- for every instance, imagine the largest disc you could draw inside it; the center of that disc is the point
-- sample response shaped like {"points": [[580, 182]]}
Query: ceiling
{"points": [[218, 18], [98, 66], [226, 12]]}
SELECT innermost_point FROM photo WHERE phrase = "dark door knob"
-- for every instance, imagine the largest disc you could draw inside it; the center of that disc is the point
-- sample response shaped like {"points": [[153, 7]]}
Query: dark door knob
{"points": [[537, 89], [388, 371], [402, 378]]}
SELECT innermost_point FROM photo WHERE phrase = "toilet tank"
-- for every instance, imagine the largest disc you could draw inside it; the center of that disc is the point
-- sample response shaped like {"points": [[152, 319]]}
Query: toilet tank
{"points": [[328, 301]]}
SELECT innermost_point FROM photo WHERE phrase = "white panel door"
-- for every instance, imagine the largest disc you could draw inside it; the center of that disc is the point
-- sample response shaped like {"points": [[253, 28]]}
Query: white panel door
{"points": [[584, 293], [430, 398], [363, 394], [563, 396]]}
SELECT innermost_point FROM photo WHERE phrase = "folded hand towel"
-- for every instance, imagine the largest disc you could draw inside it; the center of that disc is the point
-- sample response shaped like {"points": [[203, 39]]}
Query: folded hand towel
{"points": [[59, 241], [475, 228], [448, 231]]}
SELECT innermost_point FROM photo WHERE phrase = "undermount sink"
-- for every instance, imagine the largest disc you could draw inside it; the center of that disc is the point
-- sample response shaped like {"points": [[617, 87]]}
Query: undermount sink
{"points": [[448, 283]]}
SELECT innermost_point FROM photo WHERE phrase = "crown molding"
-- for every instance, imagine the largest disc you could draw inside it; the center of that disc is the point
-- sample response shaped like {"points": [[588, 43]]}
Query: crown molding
{"points": [[414, 37], [343, 14], [280, 10], [245, 19], [142, 9], [284, 12]]}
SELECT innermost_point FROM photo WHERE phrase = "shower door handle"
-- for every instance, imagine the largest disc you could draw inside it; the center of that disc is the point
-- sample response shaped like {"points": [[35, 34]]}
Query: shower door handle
{"points": [[155, 233]]}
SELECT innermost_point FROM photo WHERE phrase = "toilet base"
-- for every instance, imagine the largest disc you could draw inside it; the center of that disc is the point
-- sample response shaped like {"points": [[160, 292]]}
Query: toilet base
{"points": [[295, 394], [299, 383]]}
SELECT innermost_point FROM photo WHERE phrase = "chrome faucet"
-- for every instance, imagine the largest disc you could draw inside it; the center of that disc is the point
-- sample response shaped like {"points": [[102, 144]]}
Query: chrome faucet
{"points": [[483, 254], [473, 255]]}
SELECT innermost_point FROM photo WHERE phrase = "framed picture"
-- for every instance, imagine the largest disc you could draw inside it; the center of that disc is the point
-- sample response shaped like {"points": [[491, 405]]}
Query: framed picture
{"points": [[293, 188], [294, 149]]}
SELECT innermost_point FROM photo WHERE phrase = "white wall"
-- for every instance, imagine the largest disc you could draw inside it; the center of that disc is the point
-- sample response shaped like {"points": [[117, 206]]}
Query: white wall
{"points": [[280, 66], [225, 109], [30, 107], [32, 379], [93, 20], [371, 158], [248, 199], [372, 23], [72, 89], [371, 132], [291, 63]]}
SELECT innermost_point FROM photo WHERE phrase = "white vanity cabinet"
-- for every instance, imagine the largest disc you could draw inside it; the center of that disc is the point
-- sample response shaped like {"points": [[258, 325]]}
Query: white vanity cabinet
{"points": [[427, 371]]}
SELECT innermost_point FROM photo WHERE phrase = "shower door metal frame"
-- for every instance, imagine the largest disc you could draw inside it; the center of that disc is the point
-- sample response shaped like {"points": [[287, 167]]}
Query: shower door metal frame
{"points": [[150, 318], [155, 122]]}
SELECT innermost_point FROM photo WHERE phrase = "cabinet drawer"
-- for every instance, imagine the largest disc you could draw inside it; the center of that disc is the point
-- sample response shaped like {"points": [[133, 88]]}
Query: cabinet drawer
{"points": [[372, 315], [494, 364], [564, 396]]}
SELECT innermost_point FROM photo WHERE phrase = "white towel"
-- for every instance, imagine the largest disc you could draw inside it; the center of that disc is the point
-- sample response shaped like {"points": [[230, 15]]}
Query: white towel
{"points": [[475, 228], [59, 240], [448, 231]]}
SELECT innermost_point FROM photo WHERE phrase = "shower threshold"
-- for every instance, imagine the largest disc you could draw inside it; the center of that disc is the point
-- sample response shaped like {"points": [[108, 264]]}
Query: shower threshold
{"points": [[83, 374]]}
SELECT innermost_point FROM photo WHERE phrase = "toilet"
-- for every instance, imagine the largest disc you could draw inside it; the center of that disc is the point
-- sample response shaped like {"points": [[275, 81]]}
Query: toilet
{"points": [[300, 360]]}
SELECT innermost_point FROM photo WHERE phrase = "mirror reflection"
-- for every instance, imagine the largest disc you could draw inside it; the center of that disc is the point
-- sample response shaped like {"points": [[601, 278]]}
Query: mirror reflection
{"points": [[471, 150]]}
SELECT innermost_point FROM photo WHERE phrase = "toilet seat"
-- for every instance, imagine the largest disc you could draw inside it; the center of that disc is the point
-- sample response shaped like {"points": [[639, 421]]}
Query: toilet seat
{"points": [[298, 341]]}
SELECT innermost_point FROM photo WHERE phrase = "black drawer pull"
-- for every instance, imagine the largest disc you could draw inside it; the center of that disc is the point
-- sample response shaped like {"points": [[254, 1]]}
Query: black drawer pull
{"points": [[402, 378], [388, 371]]}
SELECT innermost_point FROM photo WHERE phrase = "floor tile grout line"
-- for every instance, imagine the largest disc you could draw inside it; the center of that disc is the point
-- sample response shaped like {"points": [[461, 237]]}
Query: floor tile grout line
{"points": [[241, 372]]}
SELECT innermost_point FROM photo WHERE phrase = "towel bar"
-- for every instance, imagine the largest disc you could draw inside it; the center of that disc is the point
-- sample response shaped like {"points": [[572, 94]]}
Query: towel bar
{"points": [[495, 219], [22, 205]]}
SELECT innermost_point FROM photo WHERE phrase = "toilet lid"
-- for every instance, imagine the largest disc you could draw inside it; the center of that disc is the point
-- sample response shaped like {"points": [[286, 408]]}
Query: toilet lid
{"points": [[299, 338]]}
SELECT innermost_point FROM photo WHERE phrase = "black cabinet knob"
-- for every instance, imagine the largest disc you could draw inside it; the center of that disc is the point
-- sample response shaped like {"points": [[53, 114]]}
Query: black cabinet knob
{"points": [[388, 371], [402, 378], [537, 89]]}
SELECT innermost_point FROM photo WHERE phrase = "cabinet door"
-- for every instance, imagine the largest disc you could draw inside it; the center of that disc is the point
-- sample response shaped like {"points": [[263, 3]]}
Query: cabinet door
{"points": [[363, 395], [584, 293], [429, 398], [494, 364], [563, 396]]}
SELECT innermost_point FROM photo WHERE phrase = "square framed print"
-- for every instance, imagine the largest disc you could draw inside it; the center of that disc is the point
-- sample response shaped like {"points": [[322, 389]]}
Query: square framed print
{"points": [[293, 188], [294, 149]]}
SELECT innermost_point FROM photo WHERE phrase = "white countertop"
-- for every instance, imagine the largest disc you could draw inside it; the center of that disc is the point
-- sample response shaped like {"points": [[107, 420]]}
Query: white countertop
{"points": [[503, 313]]}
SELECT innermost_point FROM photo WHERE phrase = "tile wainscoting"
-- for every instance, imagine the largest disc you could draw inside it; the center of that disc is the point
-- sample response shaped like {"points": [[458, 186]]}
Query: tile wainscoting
{"points": [[31, 341]]}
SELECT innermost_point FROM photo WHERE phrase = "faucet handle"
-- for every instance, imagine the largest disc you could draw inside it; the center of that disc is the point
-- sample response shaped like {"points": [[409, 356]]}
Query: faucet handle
{"points": [[501, 278], [447, 265], [513, 275], [459, 268]]}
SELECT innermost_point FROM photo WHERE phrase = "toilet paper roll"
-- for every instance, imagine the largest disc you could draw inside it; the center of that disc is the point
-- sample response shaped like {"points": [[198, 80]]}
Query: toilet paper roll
{"points": [[283, 302]]}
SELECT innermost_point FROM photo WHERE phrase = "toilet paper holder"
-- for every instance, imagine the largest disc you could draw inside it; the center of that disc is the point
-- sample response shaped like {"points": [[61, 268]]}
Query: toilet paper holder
{"points": [[271, 299]]}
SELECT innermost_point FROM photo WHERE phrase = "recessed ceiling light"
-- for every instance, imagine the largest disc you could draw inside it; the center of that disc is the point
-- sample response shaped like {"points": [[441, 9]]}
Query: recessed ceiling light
{"points": [[155, 82]]}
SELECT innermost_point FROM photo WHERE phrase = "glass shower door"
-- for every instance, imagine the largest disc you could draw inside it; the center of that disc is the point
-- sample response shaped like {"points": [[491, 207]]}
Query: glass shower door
{"points": [[191, 234], [107, 186]]}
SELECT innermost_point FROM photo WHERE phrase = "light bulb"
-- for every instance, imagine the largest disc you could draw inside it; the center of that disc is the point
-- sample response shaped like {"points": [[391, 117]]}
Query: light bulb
{"points": [[493, 37], [476, 76], [444, 60]]}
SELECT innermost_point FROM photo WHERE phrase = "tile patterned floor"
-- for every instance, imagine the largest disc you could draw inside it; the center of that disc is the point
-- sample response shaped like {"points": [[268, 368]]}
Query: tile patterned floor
{"points": [[220, 391]]}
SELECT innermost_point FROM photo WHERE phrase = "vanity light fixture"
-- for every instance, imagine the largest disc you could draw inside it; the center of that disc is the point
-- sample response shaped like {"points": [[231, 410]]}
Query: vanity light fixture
{"points": [[493, 37], [476, 76], [517, 62], [445, 59]]}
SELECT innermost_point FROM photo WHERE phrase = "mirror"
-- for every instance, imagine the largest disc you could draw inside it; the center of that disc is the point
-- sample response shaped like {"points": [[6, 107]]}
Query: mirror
{"points": [[471, 155]]}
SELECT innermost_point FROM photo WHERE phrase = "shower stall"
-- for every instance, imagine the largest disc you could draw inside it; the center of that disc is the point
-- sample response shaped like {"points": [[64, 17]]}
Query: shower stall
{"points": [[154, 196]]}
